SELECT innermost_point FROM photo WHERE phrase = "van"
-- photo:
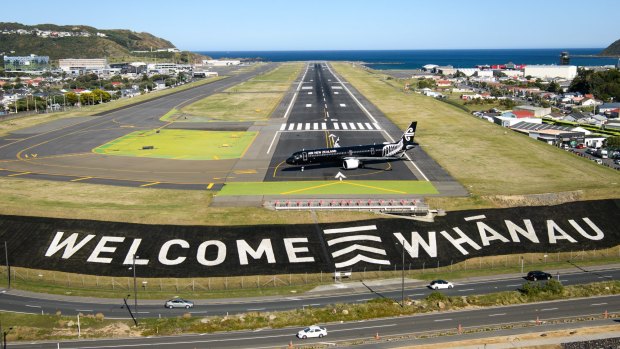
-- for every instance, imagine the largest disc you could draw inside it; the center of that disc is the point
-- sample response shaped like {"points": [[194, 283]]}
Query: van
{"points": [[601, 153]]}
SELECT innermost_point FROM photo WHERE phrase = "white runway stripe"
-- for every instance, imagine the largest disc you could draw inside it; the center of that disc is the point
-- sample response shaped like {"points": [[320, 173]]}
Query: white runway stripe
{"points": [[316, 126], [344, 126], [377, 126], [336, 127], [359, 124], [323, 126], [352, 126], [299, 126], [291, 126], [307, 126], [368, 126], [282, 127]]}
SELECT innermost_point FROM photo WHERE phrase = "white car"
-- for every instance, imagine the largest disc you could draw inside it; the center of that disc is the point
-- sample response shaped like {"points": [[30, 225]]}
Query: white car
{"points": [[440, 284], [312, 332], [179, 303]]}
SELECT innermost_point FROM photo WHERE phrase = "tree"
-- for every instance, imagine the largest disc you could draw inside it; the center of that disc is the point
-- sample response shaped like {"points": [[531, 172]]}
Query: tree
{"points": [[553, 87], [613, 142], [72, 98]]}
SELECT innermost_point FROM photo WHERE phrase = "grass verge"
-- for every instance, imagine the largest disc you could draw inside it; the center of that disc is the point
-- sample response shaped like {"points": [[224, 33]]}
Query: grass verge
{"points": [[250, 100], [53, 282], [486, 158], [180, 144]]}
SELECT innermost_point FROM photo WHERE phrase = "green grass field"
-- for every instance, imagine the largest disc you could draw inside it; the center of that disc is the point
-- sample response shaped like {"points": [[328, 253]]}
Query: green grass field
{"points": [[180, 144], [328, 188], [251, 100], [487, 159]]}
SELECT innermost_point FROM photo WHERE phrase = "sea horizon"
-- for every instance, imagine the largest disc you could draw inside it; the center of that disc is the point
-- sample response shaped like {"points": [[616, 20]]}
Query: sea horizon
{"points": [[415, 59]]}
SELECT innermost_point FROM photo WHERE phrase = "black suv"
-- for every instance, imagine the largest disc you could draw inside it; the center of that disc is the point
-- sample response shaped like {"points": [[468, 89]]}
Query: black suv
{"points": [[538, 275]]}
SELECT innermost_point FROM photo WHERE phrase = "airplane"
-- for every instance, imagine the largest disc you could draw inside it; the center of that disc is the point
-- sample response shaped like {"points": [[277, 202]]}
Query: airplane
{"points": [[353, 157]]}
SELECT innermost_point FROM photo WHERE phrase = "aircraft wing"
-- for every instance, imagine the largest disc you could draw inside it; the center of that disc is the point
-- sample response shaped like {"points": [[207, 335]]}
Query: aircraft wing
{"points": [[371, 158]]}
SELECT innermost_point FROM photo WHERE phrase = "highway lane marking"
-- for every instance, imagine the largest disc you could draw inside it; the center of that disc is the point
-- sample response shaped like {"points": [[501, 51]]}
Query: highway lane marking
{"points": [[80, 179], [416, 294], [605, 277], [363, 328], [364, 299], [467, 289], [18, 174], [255, 309], [83, 310], [32, 306], [548, 309], [500, 314], [596, 304], [439, 320], [149, 184], [516, 285]]}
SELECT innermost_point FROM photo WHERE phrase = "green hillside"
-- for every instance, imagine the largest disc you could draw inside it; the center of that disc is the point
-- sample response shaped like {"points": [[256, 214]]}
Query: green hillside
{"points": [[612, 50], [117, 44]]}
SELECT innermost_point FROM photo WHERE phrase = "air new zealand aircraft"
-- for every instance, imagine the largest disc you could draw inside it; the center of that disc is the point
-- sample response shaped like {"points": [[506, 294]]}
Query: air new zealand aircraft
{"points": [[353, 157]]}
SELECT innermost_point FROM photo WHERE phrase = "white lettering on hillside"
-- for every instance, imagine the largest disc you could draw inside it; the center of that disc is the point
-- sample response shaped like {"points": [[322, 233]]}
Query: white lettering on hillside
{"points": [[201, 255], [599, 233], [163, 253], [413, 248], [461, 240], [69, 244], [102, 248], [552, 227], [133, 250], [528, 232], [264, 248], [292, 251], [483, 229]]}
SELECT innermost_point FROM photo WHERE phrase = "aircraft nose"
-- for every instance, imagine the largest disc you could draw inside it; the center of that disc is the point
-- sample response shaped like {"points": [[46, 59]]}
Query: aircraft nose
{"points": [[290, 161]]}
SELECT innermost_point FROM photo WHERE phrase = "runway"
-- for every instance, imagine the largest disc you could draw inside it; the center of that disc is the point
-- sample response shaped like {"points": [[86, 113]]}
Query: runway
{"points": [[323, 111]]}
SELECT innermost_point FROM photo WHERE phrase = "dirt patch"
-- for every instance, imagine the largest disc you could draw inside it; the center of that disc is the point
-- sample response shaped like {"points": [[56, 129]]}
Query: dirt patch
{"points": [[536, 199], [115, 330], [565, 335]]}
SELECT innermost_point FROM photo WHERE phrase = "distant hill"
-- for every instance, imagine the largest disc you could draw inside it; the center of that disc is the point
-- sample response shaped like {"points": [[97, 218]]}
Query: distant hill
{"points": [[79, 41], [612, 50]]}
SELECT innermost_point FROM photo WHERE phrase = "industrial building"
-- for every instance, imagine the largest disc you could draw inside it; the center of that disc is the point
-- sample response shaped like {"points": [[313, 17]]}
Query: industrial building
{"points": [[26, 63], [567, 72], [82, 64]]}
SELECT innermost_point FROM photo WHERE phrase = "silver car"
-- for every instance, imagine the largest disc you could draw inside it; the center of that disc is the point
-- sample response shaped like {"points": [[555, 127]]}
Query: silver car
{"points": [[179, 303]]}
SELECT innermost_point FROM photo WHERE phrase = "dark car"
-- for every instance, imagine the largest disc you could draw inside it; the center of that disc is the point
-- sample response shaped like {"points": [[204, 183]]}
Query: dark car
{"points": [[538, 275]]}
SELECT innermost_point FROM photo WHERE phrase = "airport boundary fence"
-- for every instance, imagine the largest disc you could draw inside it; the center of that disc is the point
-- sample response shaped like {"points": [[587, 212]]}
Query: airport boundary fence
{"points": [[23, 278]]}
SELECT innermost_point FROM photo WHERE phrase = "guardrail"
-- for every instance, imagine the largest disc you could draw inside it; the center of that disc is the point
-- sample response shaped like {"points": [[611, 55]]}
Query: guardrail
{"points": [[410, 206]]}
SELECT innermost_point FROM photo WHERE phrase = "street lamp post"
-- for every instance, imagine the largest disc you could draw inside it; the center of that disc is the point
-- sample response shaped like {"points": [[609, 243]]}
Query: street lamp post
{"points": [[4, 333], [402, 278], [135, 288]]}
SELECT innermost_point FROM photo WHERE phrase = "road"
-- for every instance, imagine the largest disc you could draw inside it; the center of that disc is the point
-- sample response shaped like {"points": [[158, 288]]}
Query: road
{"points": [[348, 331], [149, 308]]}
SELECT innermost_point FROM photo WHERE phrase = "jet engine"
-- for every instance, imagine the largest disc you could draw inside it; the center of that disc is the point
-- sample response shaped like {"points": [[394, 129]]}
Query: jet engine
{"points": [[351, 164]]}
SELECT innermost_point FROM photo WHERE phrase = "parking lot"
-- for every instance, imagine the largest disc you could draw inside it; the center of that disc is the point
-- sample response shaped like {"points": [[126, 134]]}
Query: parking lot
{"points": [[609, 162]]}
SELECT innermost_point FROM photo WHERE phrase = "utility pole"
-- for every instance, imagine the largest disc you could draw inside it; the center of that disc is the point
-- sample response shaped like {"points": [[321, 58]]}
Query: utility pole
{"points": [[8, 267]]}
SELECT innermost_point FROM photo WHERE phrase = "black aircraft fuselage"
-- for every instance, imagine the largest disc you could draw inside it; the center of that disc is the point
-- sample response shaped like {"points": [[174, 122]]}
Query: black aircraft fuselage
{"points": [[353, 157]]}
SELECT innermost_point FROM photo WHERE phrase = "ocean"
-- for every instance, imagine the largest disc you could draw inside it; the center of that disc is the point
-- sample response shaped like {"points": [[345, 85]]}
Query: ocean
{"points": [[415, 59]]}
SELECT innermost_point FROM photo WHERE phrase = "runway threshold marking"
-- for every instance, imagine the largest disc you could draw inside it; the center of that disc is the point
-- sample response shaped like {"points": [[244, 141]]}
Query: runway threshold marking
{"points": [[80, 179], [18, 174], [149, 184]]}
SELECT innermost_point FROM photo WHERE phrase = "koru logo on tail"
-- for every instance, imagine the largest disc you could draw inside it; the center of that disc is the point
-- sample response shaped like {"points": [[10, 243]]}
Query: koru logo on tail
{"points": [[409, 134]]}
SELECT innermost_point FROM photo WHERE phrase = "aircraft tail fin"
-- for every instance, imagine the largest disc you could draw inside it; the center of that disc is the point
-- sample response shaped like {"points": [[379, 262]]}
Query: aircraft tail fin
{"points": [[409, 134]]}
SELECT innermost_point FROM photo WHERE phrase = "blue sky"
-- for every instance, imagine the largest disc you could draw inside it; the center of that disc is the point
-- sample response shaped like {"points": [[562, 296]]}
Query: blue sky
{"points": [[341, 24]]}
